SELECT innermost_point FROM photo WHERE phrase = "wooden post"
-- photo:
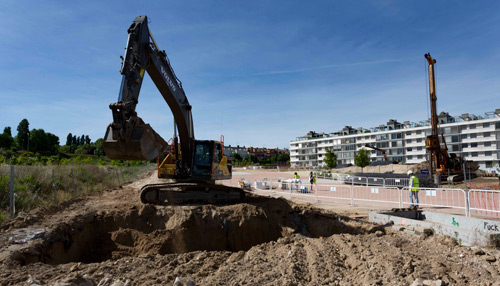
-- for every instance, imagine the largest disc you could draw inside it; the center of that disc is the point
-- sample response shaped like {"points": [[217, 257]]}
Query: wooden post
{"points": [[12, 198]]}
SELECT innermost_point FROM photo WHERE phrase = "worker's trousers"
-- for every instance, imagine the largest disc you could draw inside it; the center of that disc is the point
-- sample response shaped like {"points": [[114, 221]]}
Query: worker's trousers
{"points": [[413, 194]]}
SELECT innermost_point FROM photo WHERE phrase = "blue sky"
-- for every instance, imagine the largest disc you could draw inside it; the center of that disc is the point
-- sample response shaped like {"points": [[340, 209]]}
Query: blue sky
{"points": [[259, 72]]}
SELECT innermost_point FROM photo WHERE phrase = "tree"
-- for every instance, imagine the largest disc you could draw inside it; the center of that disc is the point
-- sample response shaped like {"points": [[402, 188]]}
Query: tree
{"points": [[362, 158], [69, 139], [283, 157], [330, 159], [73, 140], [237, 157], [42, 142], [6, 141], [23, 130], [99, 149], [82, 140], [87, 140], [7, 131]]}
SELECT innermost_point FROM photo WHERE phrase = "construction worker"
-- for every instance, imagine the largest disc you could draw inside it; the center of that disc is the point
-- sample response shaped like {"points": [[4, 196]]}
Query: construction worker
{"points": [[296, 179], [414, 187], [312, 180]]}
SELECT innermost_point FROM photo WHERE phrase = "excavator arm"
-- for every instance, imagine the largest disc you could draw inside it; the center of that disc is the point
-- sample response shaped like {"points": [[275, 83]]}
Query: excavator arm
{"points": [[377, 149], [128, 137]]}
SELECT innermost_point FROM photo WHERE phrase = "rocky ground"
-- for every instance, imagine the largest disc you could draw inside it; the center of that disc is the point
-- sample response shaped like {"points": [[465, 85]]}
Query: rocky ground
{"points": [[111, 238]]}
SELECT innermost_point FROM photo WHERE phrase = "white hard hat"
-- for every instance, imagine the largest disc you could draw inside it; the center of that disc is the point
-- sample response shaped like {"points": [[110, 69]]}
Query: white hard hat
{"points": [[410, 172]]}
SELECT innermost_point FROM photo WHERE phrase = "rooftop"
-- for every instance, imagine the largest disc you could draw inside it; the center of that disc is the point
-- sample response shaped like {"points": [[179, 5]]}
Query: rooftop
{"points": [[393, 124]]}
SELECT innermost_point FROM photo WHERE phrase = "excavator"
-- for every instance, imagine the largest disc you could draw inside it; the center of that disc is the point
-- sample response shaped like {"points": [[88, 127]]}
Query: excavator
{"points": [[190, 167], [443, 165], [377, 149]]}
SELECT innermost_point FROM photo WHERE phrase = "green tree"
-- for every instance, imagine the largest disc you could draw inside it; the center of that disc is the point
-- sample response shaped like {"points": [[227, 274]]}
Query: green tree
{"points": [[6, 140], [283, 157], [99, 149], [23, 130], [69, 139], [87, 140], [362, 158], [7, 130], [330, 159], [43, 142], [237, 157], [82, 140]]}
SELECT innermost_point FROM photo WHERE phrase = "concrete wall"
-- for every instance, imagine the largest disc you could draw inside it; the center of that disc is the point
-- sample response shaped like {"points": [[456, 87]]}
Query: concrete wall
{"points": [[467, 231]]}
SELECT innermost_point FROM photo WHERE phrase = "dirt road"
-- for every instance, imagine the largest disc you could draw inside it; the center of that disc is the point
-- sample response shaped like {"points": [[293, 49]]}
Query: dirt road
{"points": [[111, 238]]}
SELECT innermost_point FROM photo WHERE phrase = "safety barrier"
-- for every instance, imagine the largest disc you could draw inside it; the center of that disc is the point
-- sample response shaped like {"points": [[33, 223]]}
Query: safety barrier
{"points": [[438, 198], [390, 195], [484, 201], [367, 181], [471, 203]]}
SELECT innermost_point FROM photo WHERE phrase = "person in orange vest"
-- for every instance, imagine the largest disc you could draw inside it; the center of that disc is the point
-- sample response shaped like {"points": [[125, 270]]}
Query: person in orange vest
{"points": [[414, 187]]}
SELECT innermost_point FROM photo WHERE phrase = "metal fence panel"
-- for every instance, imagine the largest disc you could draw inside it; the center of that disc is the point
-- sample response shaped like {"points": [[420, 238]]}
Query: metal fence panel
{"points": [[377, 194], [484, 201], [438, 197]]}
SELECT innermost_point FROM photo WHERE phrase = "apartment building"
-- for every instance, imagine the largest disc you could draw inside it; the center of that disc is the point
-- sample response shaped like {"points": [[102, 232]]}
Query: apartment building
{"points": [[259, 153], [475, 138], [266, 153]]}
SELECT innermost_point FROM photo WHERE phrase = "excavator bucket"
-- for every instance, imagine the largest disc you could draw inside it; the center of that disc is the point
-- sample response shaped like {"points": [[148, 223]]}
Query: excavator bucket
{"points": [[144, 144]]}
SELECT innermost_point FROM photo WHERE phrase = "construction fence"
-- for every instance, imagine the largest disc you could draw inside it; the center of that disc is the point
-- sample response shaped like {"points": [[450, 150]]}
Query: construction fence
{"points": [[25, 187], [390, 193]]}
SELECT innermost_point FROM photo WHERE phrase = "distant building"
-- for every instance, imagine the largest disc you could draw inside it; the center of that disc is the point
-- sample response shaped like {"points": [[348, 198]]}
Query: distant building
{"points": [[475, 138], [259, 153], [230, 150], [265, 153]]}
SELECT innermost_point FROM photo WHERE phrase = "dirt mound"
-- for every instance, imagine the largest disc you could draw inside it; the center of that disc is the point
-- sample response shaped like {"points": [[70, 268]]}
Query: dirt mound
{"points": [[99, 236], [111, 238]]}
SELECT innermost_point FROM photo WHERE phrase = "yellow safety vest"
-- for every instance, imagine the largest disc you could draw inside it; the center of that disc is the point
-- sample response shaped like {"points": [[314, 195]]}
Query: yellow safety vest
{"points": [[296, 176], [414, 184]]}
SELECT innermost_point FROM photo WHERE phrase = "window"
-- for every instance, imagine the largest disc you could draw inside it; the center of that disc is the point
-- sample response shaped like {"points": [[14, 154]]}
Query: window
{"points": [[419, 148], [464, 136], [409, 141], [409, 149], [486, 125], [487, 153], [420, 156], [419, 140], [487, 144], [472, 126], [486, 134], [410, 157], [474, 154], [454, 138], [465, 145], [419, 132], [454, 148], [396, 136], [472, 136], [473, 145], [408, 132]]}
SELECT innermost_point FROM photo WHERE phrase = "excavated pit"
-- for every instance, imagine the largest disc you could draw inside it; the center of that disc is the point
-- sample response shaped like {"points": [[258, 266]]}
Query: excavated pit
{"points": [[113, 234]]}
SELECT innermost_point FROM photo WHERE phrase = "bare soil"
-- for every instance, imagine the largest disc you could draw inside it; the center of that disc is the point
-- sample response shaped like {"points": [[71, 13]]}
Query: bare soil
{"points": [[110, 238]]}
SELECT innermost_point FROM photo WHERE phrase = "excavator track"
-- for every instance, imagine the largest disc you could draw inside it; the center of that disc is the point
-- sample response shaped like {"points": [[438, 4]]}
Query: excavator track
{"points": [[190, 193]]}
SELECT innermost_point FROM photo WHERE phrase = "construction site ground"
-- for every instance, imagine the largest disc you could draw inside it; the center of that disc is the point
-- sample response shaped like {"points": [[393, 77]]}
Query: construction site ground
{"points": [[111, 238]]}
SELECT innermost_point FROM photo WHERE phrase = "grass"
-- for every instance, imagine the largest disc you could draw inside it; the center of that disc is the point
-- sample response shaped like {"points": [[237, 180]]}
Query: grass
{"points": [[39, 185]]}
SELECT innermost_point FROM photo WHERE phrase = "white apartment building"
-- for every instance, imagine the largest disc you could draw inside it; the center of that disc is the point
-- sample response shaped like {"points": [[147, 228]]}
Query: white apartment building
{"points": [[475, 138]]}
